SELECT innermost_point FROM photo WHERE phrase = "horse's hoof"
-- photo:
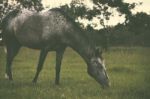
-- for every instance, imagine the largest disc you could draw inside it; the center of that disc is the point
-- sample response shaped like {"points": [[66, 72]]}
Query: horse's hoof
{"points": [[6, 76], [34, 82], [56, 83]]}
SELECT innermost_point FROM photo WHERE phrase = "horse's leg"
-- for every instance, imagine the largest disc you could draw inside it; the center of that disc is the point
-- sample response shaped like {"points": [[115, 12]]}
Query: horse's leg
{"points": [[59, 56], [42, 57], [12, 50]]}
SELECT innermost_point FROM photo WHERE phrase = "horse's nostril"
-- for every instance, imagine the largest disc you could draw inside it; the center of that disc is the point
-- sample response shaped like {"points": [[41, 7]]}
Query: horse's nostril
{"points": [[107, 76], [106, 85]]}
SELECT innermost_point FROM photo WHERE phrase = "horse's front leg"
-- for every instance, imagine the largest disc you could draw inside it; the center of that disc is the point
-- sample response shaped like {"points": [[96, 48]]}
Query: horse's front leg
{"points": [[59, 56], [42, 57]]}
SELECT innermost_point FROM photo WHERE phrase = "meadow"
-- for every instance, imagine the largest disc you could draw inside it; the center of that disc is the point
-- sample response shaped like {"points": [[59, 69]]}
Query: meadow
{"points": [[128, 69]]}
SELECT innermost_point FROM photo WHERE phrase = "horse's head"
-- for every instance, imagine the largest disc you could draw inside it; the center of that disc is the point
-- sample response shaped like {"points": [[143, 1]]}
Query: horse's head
{"points": [[97, 70]]}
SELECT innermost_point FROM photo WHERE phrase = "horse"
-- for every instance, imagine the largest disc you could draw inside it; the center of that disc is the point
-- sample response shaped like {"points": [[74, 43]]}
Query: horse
{"points": [[52, 30]]}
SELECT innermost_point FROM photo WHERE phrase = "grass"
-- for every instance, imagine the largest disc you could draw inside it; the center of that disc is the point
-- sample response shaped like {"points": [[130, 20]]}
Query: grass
{"points": [[128, 69]]}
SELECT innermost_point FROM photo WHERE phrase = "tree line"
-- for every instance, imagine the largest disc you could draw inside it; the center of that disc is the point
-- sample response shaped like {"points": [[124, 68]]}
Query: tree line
{"points": [[134, 33]]}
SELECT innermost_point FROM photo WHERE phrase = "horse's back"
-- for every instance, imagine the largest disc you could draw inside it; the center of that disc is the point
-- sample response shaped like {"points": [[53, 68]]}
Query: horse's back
{"points": [[37, 30]]}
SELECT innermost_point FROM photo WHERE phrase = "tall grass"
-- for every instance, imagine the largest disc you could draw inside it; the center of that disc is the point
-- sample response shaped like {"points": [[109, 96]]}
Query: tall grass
{"points": [[128, 70]]}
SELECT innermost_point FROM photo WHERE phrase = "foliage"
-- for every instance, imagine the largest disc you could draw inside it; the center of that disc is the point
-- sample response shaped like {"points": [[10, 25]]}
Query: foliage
{"points": [[139, 22], [121, 35], [134, 33], [101, 7], [35, 4], [5, 7]]}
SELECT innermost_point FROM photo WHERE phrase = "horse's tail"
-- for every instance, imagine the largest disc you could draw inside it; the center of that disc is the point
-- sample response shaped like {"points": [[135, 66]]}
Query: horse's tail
{"points": [[1, 38], [2, 41]]}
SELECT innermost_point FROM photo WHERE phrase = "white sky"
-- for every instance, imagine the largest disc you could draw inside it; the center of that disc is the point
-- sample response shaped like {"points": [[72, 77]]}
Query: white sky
{"points": [[145, 7], [54, 3]]}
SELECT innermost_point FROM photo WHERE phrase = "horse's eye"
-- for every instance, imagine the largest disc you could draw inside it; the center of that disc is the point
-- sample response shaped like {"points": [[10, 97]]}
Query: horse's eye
{"points": [[99, 66]]}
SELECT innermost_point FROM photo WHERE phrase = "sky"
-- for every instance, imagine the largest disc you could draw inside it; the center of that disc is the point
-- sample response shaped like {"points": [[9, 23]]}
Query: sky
{"points": [[145, 7], [56, 3]]}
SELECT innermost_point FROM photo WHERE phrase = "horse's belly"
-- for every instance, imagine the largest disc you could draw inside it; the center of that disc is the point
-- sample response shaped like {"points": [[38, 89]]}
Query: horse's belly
{"points": [[47, 47], [34, 45], [51, 45]]}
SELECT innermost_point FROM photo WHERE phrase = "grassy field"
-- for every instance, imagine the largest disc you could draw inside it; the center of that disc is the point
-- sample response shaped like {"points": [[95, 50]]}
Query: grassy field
{"points": [[128, 69]]}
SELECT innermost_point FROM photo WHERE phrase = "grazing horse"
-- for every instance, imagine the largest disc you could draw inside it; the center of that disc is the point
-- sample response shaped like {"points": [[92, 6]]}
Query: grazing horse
{"points": [[50, 31]]}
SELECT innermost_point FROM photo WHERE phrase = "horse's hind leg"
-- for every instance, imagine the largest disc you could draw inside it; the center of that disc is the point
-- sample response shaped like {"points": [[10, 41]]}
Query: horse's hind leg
{"points": [[59, 56], [43, 55], [12, 50]]}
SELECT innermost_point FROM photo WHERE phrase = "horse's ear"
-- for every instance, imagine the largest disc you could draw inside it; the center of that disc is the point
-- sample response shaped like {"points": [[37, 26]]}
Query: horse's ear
{"points": [[100, 52]]}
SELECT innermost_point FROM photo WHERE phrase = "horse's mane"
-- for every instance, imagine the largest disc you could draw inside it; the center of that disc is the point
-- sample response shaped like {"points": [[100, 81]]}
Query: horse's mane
{"points": [[67, 17], [82, 31]]}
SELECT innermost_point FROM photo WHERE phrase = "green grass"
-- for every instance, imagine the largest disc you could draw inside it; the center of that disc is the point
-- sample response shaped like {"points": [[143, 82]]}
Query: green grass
{"points": [[128, 69]]}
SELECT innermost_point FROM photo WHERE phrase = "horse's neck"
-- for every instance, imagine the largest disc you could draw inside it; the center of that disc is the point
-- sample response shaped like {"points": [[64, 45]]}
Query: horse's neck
{"points": [[83, 46]]}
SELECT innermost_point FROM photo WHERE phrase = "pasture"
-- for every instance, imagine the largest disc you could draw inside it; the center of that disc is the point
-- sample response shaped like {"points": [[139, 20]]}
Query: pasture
{"points": [[128, 70]]}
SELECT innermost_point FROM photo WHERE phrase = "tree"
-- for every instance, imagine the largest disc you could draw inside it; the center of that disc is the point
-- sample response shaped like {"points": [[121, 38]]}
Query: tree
{"points": [[140, 25]]}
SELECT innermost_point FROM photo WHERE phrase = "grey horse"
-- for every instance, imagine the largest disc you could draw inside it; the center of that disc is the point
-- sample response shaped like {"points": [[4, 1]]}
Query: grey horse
{"points": [[48, 31]]}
